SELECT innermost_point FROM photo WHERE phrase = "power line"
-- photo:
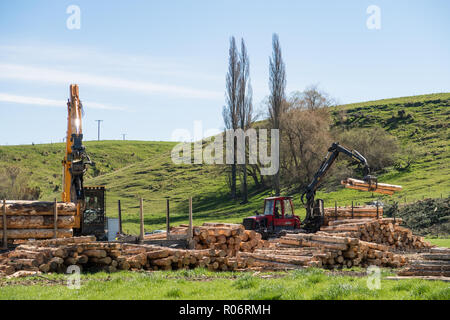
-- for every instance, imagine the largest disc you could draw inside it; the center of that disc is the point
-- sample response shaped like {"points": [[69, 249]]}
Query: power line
{"points": [[98, 125]]}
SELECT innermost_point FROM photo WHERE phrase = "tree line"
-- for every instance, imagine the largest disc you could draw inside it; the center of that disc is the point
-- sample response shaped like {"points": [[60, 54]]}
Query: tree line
{"points": [[305, 128]]}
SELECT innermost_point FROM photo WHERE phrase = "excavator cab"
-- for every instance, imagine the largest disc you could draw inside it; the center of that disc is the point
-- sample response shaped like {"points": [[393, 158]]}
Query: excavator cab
{"points": [[93, 213]]}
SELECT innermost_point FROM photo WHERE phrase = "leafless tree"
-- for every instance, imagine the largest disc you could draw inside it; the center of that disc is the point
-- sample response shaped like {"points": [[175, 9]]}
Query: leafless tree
{"points": [[230, 110], [277, 84], [245, 107], [311, 98], [306, 139]]}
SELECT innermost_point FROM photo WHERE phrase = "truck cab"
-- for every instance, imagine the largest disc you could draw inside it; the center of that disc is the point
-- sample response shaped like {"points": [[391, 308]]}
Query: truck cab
{"points": [[278, 215]]}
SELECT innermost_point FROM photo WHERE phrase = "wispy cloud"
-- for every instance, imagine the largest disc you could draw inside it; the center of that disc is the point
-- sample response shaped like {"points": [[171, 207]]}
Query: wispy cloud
{"points": [[5, 97], [51, 54], [29, 73]]}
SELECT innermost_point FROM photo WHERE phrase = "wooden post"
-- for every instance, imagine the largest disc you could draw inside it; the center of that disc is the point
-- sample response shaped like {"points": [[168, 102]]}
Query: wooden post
{"points": [[5, 236], [55, 217], [335, 209], [378, 212], [352, 209], [190, 221], [141, 218], [120, 216], [167, 220], [394, 216]]}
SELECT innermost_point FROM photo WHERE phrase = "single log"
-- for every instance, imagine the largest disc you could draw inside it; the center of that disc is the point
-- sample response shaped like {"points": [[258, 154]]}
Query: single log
{"points": [[300, 260], [436, 256], [250, 233], [103, 261], [227, 225], [158, 254], [440, 250], [379, 186], [36, 233], [63, 241], [82, 259], [23, 254], [336, 246], [288, 241], [417, 272], [37, 208], [323, 238], [348, 221], [273, 265], [38, 222], [163, 261], [95, 253], [26, 262], [7, 269], [70, 261], [422, 266], [124, 265], [356, 210]]}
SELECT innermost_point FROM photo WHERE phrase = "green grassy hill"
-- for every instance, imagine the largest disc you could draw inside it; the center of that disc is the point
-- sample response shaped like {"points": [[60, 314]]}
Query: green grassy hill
{"points": [[133, 169]]}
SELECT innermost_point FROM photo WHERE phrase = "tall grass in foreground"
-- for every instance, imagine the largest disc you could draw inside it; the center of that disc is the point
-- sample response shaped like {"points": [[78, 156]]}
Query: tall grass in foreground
{"points": [[200, 284]]}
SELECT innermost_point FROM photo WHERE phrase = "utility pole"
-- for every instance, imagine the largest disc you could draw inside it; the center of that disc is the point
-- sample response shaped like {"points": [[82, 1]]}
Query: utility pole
{"points": [[123, 136], [98, 125]]}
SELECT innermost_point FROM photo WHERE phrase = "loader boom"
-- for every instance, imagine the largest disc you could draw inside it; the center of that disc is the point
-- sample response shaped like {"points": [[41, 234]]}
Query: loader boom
{"points": [[314, 208]]}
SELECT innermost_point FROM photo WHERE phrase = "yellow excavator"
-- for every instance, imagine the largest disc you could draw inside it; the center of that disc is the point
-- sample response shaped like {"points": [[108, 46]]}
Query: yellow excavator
{"points": [[91, 217]]}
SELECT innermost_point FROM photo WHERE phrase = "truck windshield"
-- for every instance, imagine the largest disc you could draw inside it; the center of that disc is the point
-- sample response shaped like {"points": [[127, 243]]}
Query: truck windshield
{"points": [[268, 210]]}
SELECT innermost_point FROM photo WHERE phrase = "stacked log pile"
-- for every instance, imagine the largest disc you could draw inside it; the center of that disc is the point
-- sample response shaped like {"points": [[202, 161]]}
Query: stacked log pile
{"points": [[322, 250], [385, 231], [221, 247], [354, 212], [435, 263], [56, 255], [151, 257], [35, 219], [382, 188], [231, 238]]}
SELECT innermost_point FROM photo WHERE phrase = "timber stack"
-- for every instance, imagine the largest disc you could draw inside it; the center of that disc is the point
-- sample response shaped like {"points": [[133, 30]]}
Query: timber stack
{"points": [[229, 237], [321, 250], [35, 219], [57, 255], [382, 188], [386, 231], [150, 257], [353, 212], [435, 263]]}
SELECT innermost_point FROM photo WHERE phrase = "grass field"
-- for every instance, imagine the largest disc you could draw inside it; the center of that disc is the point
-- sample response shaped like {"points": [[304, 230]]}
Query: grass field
{"points": [[200, 284], [440, 242], [133, 169]]}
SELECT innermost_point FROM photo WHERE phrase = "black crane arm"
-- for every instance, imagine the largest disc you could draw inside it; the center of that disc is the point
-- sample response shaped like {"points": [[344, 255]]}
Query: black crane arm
{"points": [[333, 153]]}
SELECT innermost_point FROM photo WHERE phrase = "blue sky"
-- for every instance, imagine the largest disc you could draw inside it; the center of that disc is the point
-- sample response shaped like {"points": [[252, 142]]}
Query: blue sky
{"points": [[148, 68]]}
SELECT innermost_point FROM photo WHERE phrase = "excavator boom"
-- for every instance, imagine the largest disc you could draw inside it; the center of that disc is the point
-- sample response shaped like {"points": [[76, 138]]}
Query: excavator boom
{"points": [[76, 158]]}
